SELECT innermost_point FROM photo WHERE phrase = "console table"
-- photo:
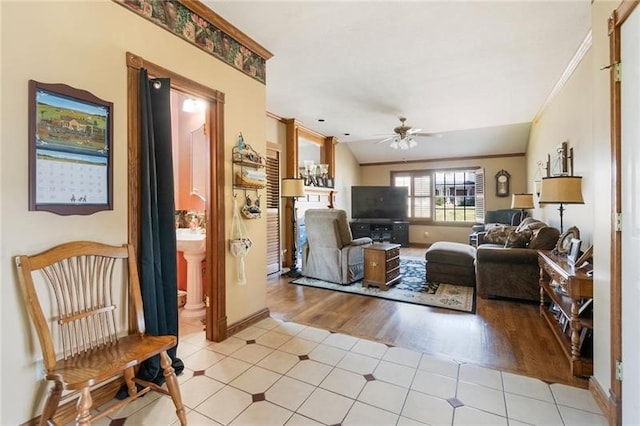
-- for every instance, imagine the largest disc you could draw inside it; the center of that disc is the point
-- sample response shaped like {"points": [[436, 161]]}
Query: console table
{"points": [[381, 265], [393, 231], [566, 303]]}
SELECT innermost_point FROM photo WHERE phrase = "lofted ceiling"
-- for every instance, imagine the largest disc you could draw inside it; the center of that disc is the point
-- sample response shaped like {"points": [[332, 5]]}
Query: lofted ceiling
{"points": [[475, 73]]}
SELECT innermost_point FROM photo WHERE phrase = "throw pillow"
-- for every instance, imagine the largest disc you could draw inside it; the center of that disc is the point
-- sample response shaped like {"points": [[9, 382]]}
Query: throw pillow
{"points": [[498, 234], [544, 238], [518, 239]]}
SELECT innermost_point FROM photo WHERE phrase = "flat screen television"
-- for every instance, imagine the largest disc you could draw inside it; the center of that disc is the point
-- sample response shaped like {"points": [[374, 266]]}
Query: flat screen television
{"points": [[379, 202]]}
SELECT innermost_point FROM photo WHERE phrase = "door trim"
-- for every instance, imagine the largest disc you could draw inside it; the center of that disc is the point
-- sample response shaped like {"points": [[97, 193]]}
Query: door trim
{"points": [[214, 286], [618, 17]]}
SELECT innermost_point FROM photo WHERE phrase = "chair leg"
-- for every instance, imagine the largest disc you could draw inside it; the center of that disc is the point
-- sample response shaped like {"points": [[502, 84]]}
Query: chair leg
{"points": [[51, 405], [84, 407], [129, 374], [172, 385]]}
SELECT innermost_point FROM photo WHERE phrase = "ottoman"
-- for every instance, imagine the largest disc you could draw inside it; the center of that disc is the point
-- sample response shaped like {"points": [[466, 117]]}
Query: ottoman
{"points": [[451, 263]]}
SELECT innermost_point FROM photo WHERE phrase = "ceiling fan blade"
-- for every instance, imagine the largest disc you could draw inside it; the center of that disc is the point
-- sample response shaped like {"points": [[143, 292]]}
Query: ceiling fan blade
{"points": [[413, 131], [428, 135], [385, 140]]}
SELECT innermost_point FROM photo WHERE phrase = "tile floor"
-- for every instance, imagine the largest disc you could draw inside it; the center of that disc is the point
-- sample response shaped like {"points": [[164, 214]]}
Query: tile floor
{"points": [[283, 373]]}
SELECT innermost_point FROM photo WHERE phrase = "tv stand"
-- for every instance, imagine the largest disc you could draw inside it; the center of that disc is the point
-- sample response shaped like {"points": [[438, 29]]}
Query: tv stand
{"points": [[382, 230]]}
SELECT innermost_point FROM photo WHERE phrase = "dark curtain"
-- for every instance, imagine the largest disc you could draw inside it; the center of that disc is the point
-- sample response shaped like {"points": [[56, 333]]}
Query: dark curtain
{"points": [[158, 270]]}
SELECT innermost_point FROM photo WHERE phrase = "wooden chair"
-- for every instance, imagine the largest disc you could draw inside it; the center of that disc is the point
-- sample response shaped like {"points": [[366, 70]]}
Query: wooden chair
{"points": [[81, 279]]}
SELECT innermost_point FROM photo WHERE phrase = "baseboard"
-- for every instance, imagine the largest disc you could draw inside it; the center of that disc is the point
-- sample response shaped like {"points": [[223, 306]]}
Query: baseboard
{"points": [[248, 321], [603, 401]]}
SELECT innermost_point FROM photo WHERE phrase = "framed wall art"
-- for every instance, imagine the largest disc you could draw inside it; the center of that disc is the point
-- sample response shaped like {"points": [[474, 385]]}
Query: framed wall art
{"points": [[70, 150]]}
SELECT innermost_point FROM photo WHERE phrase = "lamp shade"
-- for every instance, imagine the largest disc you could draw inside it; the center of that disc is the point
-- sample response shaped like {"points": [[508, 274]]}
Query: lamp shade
{"points": [[522, 201], [292, 187], [561, 190]]}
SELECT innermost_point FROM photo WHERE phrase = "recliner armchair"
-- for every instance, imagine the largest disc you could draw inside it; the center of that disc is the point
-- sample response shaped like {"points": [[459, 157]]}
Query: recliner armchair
{"points": [[330, 252]]}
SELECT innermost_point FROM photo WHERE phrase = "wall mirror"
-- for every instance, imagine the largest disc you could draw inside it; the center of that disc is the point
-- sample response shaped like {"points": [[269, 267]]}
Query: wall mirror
{"points": [[199, 157]]}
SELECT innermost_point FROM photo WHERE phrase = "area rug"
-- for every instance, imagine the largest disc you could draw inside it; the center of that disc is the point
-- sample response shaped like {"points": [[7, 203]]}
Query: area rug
{"points": [[412, 288]]}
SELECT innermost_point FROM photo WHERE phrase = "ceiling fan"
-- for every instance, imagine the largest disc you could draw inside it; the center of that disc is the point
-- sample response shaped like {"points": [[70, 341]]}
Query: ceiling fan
{"points": [[403, 137]]}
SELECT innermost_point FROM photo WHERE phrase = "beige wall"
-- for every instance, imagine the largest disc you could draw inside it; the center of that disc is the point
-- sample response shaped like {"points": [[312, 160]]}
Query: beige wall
{"points": [[516, 166], [580, 114], [83, 44], [347, 175]]}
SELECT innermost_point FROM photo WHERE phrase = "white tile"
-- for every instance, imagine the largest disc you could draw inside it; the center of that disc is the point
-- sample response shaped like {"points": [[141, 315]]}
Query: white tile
{"points": [[575, 398], [298, 346], [185, 349], [278, 361], [263, 413], [573, 417], [227, 370], [289, 328], [228, 346], [384, 395], [526, 386], [405, 421], [314, 334], [362, 414], [289, 393], [225, 405], [184, 376], [369, 348], [198, 338], [197, 389], [427, 409], [344, 382], [341, 341], [268, 323], [250, 333], [434, 384], [443, 367], [532, 411], [469, 416], [394, 373], [159, 412], [202, 359], [272, 339], [310, 371], [298, 420], [327, 354], [358, 363], [403, 356], [481, 397], [480, 376], [196, 419], [251, 353], [326, 407], [255, 380]]}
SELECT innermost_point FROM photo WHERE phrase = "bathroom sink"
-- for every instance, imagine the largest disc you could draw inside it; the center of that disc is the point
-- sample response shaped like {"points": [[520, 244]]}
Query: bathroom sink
{"points": [[192, 244], [189, 241]]}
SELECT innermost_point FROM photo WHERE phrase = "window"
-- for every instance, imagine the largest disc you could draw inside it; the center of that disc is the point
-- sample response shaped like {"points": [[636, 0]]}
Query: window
{"points": [[443, 195]]}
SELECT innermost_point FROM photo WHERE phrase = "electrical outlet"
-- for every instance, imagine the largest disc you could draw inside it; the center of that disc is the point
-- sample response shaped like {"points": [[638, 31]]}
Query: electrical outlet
{"points": [[426, 235]]}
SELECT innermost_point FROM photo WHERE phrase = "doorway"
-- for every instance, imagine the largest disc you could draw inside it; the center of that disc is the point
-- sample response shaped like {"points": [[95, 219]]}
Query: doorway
{"points": [[215, 260]]}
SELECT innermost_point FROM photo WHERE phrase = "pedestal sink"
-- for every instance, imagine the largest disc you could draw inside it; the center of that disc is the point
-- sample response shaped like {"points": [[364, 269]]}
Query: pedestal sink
{"points": [[192, 245]]}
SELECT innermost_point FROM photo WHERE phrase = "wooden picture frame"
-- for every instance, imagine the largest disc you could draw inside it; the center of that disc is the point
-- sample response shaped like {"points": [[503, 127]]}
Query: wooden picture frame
{"points": [[588, 254], [574, 251], [564, 242], [70, 150]]}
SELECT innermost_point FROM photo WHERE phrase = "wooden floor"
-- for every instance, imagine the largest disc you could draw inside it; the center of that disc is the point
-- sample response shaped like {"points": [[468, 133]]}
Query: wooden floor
{"points": [[506, 335]]}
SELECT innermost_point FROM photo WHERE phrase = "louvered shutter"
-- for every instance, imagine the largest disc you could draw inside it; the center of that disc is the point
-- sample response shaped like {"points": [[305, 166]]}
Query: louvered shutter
{"points": [[480, 195], [422, 196], [273, 212]]}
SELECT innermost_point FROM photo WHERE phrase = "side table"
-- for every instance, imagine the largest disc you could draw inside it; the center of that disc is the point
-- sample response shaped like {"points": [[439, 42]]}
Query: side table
{"points": [[381, 265]]}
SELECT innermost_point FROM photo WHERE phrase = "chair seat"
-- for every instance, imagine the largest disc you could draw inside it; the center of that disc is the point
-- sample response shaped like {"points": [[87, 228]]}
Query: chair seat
{"points": [[108, 360]]}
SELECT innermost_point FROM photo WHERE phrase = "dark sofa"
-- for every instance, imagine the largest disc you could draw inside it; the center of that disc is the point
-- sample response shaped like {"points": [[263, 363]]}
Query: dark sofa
{"points": [[513, 272]]}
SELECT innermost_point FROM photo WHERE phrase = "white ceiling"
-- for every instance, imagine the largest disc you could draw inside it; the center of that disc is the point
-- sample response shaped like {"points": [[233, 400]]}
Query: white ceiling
{"points": [[475, 72]]}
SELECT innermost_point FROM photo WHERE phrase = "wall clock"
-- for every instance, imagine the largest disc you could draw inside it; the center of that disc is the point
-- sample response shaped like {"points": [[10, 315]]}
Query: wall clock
{"points": [[502, 183]]}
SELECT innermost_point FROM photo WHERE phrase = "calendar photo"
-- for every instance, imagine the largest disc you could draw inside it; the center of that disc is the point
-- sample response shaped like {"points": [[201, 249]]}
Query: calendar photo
{"points": [[70, 170]]}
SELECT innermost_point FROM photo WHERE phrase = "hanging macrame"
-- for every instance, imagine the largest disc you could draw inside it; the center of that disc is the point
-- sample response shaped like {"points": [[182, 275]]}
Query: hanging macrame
{"points": [[239, 243]]}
